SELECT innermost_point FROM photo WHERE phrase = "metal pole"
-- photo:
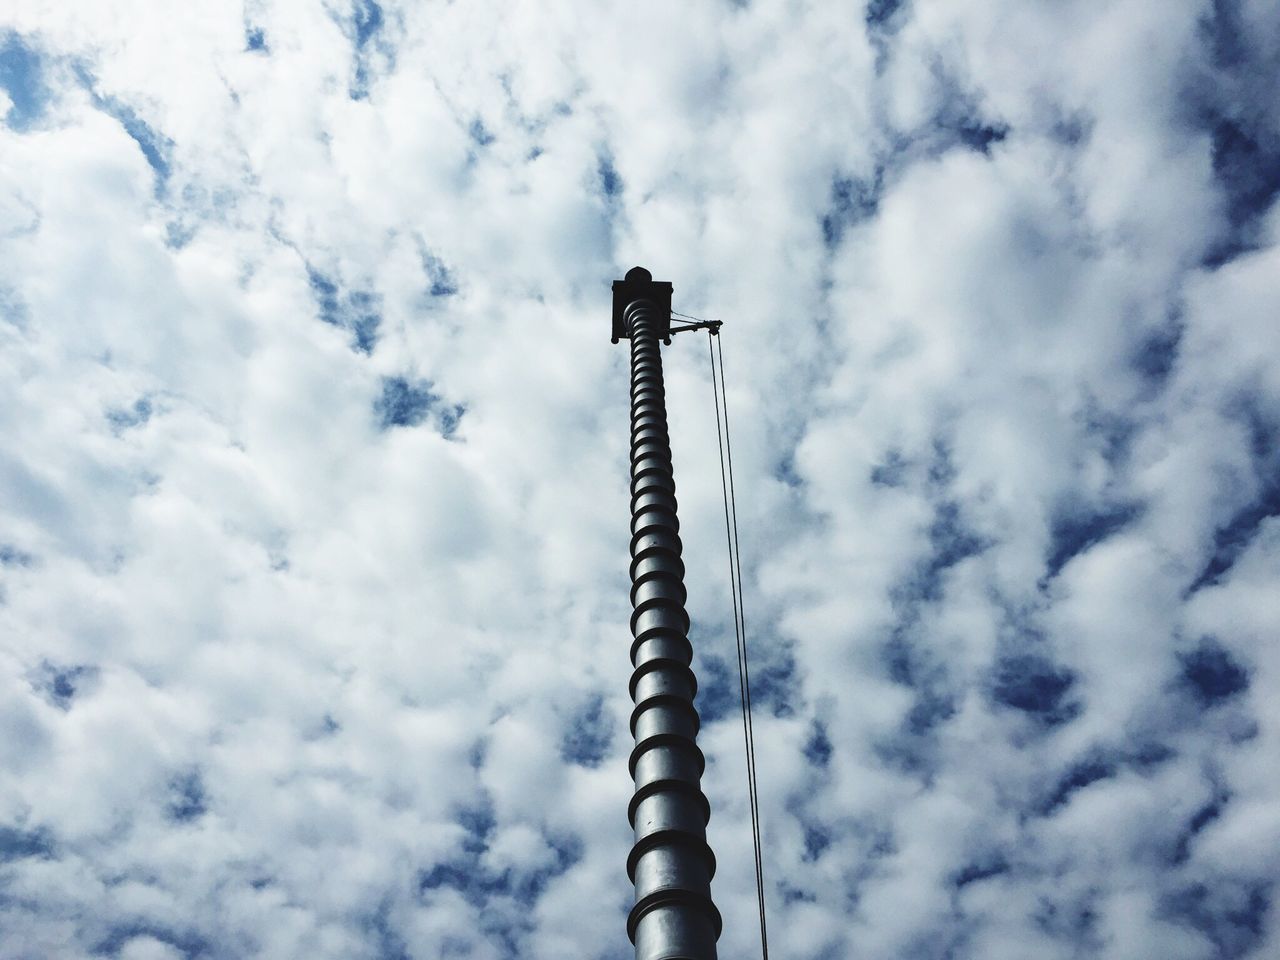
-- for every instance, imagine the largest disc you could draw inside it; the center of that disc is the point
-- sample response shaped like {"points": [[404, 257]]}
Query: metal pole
{"points": [[670, 863]]}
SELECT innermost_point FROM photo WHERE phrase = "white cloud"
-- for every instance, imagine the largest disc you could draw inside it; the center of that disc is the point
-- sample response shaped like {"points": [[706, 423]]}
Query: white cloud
{"points": [[312, 472]]}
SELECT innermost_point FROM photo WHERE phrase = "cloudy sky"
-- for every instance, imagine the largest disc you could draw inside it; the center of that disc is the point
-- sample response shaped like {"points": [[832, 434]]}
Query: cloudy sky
{"points": [[313, 506]]}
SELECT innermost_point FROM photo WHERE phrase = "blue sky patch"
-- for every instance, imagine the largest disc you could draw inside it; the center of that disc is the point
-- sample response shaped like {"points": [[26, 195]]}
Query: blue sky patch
{"points": [[793, 894], [17, 843], [478, 821], [326, 294], [898, 657], [1071, 130], [951, 538], [155, 147], [816, 839], [484, 887], [409, 403], [178, 234], [359, 311], [1232, 914], [607, 175], [124, 418], [1034, 685], [1146, 755], [22, 77], [1073, 918], [440, 278], [890, 471], [359, 89], [1264, 438], [478, 753], [455, 875], [1231, 539], [479, 133], [367, 18], [1247, 172], [942, 471], [1223, 31], [1075, 530], [365, 317], [881, 12], [785, 471], [1080, 775], [852, 201], [958, 122], [951, 541], [364, 333], [932, 708], [1206, 815], [191, 944], [983, 868], [717, 686], [1212, 674], [913, 747], [12, 309], [908, 754], [817, 748], [588, 737], [11, 556], [443, 284], [61, 684], [774, 684], [1111, 431], [1157, 352], [187, 800], [883, 19], [977, 134], [388, 942], [366, 26], [1246, 168]]}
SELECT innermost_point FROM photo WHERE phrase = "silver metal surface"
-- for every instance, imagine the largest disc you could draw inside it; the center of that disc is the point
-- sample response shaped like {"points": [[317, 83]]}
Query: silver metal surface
{"points": [[670, 863]]}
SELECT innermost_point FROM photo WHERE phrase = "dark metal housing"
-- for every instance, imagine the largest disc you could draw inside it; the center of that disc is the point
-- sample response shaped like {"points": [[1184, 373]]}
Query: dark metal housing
{"points": [[640, 285]]}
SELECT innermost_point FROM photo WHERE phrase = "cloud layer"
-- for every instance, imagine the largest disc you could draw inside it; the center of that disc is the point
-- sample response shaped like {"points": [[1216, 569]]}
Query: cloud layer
{"points": [[313, 594]]}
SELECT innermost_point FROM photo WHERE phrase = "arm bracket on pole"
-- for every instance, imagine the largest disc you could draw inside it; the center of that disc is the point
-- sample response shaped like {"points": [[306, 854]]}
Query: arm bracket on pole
{"points": [[712, 325]]}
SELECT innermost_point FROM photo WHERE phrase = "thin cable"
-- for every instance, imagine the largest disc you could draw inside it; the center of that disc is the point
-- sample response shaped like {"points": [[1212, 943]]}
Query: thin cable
{"points": [[720, 396], [737, 634], [686, 316], [746, 674]]}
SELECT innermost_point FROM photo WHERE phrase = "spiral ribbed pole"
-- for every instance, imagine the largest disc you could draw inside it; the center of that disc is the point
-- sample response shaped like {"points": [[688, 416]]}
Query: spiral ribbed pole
{"points": [[670, 863]]}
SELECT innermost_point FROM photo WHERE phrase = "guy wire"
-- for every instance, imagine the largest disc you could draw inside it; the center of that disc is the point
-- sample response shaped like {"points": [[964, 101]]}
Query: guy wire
{"points": [[720, 398]]}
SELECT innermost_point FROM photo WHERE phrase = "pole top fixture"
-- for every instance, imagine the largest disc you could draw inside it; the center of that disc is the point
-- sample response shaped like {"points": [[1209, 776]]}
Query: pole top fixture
{"points": [[640, 285]]}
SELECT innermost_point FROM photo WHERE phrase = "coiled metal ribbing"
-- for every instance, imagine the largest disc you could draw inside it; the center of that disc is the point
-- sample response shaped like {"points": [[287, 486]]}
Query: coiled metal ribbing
{"points": [[670, 863]]}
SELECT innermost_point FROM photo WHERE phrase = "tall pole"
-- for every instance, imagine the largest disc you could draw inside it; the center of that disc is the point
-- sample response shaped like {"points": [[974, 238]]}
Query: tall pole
{"points": [[670, 863]]}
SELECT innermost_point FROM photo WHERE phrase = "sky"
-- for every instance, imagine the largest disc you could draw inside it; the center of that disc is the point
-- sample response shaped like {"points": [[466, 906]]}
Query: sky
{"points": [[313, 472]]}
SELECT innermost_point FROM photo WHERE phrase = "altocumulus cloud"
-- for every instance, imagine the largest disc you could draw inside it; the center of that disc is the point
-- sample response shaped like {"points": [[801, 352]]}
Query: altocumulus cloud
{"points": [[312, 471]]}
